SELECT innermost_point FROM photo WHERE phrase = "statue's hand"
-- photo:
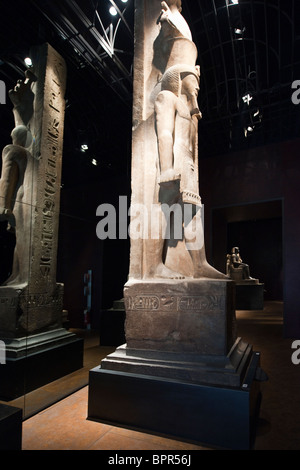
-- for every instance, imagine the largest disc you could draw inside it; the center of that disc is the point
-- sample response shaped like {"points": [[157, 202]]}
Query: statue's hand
{"points": [[15, 93], [22, 90], [30, 75], [4, 213], [164, 6], [165, 12]]}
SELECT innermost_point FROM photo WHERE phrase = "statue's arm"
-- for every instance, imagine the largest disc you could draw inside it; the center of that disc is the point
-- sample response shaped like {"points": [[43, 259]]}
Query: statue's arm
{"points": [[8, 181], [165, 109]]}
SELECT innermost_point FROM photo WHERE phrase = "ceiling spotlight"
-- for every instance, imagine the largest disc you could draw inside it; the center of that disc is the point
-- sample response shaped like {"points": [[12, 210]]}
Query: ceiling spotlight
{"points": [[235, 2], [247, 98], [113, 11], [239, 31], [84, 147], [28, 62], [124, 1], [94, 161], [248, 130]]}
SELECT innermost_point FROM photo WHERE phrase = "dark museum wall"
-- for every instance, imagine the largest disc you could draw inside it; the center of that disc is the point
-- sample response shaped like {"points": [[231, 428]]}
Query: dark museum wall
{"points": [[258, 188], [251, 200], [80, 250]]}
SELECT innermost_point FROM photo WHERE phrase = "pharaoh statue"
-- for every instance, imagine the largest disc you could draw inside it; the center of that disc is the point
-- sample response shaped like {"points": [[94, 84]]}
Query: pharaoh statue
{"points": [[176, 115], [15, 185], [236, 268]]}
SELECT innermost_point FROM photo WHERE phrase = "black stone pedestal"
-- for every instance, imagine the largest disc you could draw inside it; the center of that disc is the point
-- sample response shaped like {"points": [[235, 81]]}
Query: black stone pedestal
{"points": [[10, 427], [183, 371], [112, 321], [215, 416], [36, 360], [249, 296]]}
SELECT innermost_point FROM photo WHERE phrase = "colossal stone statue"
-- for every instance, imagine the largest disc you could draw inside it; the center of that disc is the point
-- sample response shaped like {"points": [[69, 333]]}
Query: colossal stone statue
{"points": [[170, 147], [181, 339]]}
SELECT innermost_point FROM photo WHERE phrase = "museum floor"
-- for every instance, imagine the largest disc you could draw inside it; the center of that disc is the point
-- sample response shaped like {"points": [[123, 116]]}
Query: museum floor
{"points": [[63, 425]]}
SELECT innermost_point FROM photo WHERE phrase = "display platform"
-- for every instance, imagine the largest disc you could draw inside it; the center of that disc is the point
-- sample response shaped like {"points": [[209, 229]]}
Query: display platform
{"points": [[10, 427], [36, 360], [182, 372], [249, 296], [112, 332], [214, 416]]}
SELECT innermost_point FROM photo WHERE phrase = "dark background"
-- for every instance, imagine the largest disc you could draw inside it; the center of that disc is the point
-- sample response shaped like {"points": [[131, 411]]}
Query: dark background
{"points": [[241, 174]]}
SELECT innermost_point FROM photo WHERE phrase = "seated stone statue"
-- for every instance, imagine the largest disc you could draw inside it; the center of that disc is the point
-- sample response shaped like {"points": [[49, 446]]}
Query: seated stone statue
{"points": [[235, 267]]}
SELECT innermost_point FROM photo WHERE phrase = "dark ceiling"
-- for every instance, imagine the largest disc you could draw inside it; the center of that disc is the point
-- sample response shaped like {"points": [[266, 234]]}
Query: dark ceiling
{"points": [[248, 48]]}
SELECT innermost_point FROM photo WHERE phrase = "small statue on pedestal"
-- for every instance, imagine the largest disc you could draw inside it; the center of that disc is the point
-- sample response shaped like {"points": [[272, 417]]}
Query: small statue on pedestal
{"points": [[236, 269]]}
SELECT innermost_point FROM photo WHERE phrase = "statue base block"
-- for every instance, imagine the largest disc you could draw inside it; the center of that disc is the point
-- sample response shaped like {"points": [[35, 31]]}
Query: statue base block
{"points": [[249, 296], [226, 370], [36, 360], [194, 316], [24, 312], [214, 416], [183, 371]]}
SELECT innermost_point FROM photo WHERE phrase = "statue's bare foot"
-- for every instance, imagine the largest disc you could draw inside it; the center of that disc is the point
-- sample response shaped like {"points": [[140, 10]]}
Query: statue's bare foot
{"points": [[166, 273], [205, 270]]}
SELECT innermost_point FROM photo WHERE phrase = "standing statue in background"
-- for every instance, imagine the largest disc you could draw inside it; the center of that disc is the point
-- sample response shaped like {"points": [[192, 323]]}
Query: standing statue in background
{"points": [[15, 189]]}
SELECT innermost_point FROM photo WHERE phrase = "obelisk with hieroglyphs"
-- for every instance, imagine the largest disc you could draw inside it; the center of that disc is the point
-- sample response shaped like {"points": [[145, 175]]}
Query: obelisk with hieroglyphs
{"points": [[31, 300]]}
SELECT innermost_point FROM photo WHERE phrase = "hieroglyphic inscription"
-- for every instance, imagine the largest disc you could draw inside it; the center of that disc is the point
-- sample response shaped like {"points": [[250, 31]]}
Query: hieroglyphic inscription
{"points": [[176, 303], [142, 302], [53, 149], [10, 302], [42, 300], [203, 302], [38, 299]]}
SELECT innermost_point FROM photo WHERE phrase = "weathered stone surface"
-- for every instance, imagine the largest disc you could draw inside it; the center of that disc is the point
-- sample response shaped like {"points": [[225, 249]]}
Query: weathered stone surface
{"points": [[228, 370], [31, 300], [165, 145], [23, 312], [195, 316], [181, 356]]}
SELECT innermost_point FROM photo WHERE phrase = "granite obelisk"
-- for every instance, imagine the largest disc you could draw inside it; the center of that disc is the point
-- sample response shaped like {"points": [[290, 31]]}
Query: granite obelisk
{"points": [[31, 300]]}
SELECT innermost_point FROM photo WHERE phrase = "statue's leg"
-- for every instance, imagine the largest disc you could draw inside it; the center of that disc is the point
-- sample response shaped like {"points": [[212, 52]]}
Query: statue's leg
{"points": [[168, 198], [194, 238], [8, 186]]}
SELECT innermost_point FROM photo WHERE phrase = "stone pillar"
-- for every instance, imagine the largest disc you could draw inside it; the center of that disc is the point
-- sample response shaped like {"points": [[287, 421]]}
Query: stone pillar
{"points": [[31, 301], [180, 324]]}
